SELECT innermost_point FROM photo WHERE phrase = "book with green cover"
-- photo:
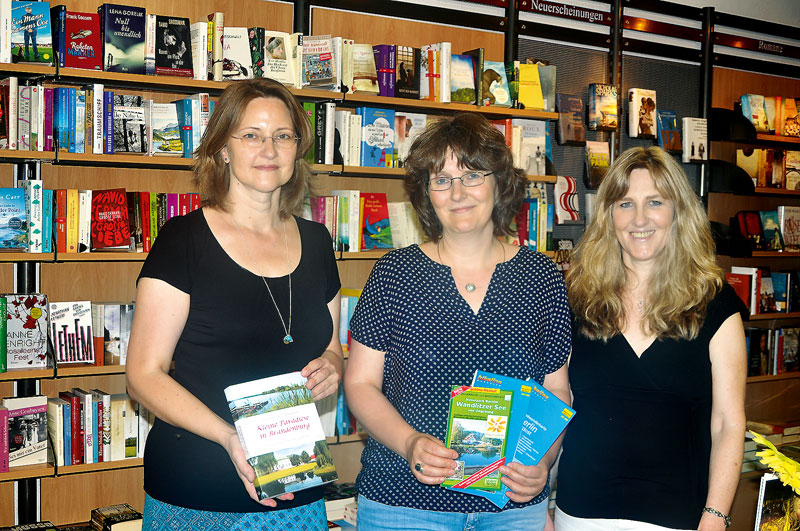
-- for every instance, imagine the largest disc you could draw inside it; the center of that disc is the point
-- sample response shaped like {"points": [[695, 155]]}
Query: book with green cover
{"points": [[477, 429]]}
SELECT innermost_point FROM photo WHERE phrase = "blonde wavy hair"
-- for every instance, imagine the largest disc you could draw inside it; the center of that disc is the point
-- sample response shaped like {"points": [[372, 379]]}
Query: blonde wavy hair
{"points": [[685, 278]]}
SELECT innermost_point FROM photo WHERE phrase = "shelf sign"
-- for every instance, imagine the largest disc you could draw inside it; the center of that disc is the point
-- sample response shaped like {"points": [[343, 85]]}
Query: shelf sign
{"points": [[757, 45], [553, 9], [497, 3]]}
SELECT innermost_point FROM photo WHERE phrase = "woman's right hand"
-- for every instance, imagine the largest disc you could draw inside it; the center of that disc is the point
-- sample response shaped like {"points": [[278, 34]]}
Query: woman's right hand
{"points": [[246, 473], [437, 462]]}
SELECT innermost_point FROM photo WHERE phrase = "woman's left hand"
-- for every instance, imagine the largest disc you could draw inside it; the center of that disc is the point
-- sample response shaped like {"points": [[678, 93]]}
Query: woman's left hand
{"points": [[524, 482], [323, 376]]}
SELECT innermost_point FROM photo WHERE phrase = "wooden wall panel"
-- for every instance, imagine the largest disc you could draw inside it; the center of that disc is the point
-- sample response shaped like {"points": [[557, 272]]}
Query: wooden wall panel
{"points": [[373, 30], [70, 499], [730, 84]]}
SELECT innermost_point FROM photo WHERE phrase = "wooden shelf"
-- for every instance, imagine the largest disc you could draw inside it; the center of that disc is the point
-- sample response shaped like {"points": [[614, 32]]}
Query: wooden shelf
{"points": [[542, 178], [776, 191], [770, 316], [26, 257], [101, 256], [99, 467], [18, 155], [775, 254], [28, 471], [363, 255], [26, 374], [355, 437], [27, 69], [489, 111], [141, 160], [774, 377], [778, 138], [83, 369], [366, 171]]}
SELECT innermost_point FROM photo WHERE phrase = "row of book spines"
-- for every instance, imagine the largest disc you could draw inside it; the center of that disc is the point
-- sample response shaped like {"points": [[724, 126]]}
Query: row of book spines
{"points": [[772, 351], [116, 425], [763, 291], [147, 213], [771, 168], [771, 114], [534, 225]]}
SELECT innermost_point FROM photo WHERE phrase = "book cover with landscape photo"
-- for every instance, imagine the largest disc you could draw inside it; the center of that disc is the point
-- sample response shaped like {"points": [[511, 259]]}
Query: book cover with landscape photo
{"points": [[282, 436], [478, 430]]}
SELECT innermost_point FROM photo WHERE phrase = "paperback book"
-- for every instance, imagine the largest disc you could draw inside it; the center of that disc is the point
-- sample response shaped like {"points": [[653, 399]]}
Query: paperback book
{"points": [[317, 61], [281, 433], [695, 139], [570, 120], [77, 38], [26, 331], [31, 36], [462, 79], [173, 47], [641, 113], [376, 230], [237, 63], [777, 504], [789, 222], [407, 80], [71, 332], [478, 429], [597, 162], [123, 38], [110, 228], [494, 85], [13, 220], [668, 131], [377, 137], [603, 113], [27, 430], [282, 61], [407, 127], [129, 124]]}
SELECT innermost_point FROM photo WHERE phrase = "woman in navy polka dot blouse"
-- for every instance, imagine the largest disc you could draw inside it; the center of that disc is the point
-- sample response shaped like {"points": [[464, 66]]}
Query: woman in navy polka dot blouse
{"points": [[432, 314]]}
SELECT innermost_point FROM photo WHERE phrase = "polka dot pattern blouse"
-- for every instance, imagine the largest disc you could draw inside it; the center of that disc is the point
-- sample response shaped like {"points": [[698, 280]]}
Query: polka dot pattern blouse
{"points": [[411, 310]]}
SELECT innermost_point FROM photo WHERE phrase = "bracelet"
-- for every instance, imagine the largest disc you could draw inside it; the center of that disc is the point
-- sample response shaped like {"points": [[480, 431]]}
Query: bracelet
{"points": [[715, 512]]}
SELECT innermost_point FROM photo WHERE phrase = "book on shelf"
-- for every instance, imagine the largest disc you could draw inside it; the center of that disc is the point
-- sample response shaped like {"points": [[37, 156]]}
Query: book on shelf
{"points": [[597, 162], [198, 33], [163, 133], [478, 418], [766, 294], [641, 113], [571, 130], [406, 229], [547, 80], [407, 127], [34, 213], [741, 285], [780, 290], [528, 145], [13, 219], [791, 123], [494, 85], [377, 137], [3, 339], [771, 230], [530, 95], [123, 29], [566, 200], [71, 332], [55, 428], [317, 61], [365, 74], [294, 454], [755, 285], [26, 331], [407, 61], [603, 113], [110, 228], [386, 68], [31, 34], [283, 57], [791, 170], [257, 41], [173, 47], [789, 226], [27, 430], [216, 29], [237, 63], [77, 39], [462, 79], [104, 425], [668, 131], [116, 518], [3, 438], [86, 434], [753, 109], [376, 230], [129, 124], [695, 139], [9, 88]]}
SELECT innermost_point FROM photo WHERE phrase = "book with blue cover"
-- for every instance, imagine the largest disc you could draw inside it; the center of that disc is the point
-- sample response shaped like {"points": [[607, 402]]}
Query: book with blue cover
{"points": [[377, 137], [668, 130], [537, 419], [31, 34], [13, 219]]}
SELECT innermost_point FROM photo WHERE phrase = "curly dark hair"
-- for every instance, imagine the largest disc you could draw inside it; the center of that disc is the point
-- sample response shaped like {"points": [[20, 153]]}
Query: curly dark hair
{"points": [[476, 145]]}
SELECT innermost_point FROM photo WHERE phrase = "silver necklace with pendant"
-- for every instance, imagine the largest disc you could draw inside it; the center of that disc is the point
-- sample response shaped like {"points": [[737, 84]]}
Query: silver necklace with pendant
{"points": [[287, 330], [469, 286]]}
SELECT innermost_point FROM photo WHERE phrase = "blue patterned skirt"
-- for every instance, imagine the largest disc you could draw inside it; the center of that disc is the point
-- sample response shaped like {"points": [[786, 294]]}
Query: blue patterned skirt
{"points": [[159, 515]]}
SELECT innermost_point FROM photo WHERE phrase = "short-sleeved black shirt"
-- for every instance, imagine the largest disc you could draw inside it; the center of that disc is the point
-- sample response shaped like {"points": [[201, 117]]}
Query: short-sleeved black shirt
{"points": [[232, 335], [639, 445]]}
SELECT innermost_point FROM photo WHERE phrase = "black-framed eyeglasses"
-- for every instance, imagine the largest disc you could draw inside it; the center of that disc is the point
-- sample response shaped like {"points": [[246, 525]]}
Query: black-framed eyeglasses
{"points": [[440, 183], [254, 141]]}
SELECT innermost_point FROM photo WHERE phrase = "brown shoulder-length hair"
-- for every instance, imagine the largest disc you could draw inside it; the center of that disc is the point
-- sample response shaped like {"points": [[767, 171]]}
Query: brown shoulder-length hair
{"points": [[210, 171], [477, 145], [685, 277]]}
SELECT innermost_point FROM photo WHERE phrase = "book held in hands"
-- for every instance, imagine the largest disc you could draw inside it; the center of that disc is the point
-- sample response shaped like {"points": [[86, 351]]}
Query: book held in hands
{"points": [[281, 433]]}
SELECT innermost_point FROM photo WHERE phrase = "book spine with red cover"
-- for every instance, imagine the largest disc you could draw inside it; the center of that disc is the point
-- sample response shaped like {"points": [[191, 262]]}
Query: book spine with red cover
{"points": [[75, 418], [144, 211], [61, 220]]}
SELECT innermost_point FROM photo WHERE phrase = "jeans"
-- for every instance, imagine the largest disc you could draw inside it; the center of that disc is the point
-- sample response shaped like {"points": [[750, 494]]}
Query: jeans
{"points": [[565, 522], [374, 516]]}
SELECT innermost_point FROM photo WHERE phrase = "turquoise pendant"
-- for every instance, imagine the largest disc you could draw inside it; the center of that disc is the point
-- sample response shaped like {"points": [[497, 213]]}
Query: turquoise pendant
{"points": [[287, 339]]}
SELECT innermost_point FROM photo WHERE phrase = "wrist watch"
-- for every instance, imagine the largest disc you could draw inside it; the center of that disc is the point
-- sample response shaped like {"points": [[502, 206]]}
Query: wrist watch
{"points": [[715, 512]]}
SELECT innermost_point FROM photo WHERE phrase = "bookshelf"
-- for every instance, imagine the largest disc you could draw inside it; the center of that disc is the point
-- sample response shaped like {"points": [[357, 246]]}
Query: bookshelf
{"points": [[774, 396]]}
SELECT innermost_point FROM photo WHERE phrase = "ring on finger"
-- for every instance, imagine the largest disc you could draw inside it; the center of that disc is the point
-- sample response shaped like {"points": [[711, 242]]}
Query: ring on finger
{"points": [[419, 468]]}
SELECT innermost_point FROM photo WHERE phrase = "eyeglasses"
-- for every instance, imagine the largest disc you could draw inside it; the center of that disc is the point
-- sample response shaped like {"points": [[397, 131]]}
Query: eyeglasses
{"points": [[440, 183], [254, 141]]}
